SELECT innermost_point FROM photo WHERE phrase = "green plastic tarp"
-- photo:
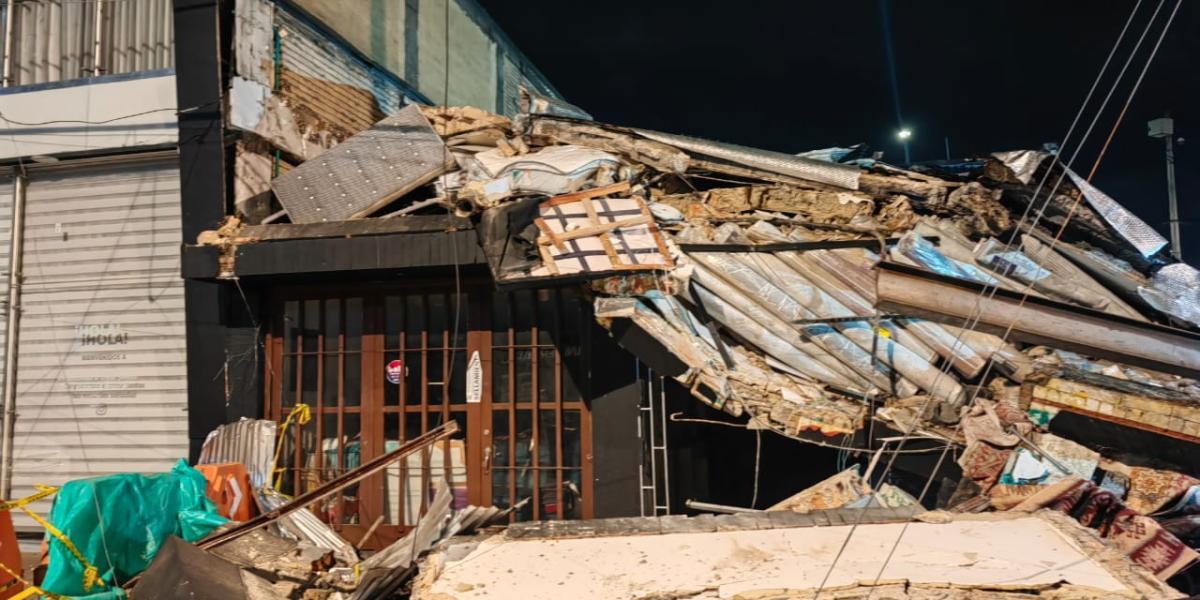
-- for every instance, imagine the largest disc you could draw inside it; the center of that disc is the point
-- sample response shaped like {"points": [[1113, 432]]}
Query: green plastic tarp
{"points": [[119, 522]]}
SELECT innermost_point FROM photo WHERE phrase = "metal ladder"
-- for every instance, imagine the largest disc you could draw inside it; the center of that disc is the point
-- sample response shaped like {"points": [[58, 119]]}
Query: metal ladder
{"points": [[654, 470]]}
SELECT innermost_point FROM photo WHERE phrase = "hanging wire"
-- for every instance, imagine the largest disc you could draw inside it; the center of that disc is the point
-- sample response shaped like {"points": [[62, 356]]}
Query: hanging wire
{"points": [[1053, 243], [977, 312], [177, 111]]}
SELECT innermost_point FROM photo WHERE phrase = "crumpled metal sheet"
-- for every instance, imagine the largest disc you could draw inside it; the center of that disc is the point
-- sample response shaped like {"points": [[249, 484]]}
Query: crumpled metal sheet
{"points": [[304, 525], [775, 162], [1141, 236], [1010, 263], [533, 103], [1175, 290], [1023, 163], [250, 442], [365, 172], [920, 251]]}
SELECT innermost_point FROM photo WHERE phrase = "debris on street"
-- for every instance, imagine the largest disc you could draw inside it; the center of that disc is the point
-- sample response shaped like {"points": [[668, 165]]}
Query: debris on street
{"points": [[1001, 306]]}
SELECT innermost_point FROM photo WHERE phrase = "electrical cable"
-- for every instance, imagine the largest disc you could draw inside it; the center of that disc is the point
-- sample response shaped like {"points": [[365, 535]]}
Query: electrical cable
{"points": [[1057, 237], [676, 418], [177, 111], [972, 325]]}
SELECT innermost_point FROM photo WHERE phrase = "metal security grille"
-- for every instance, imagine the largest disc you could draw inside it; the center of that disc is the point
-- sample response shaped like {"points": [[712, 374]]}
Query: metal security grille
{"points": [[384, 366], [539, 424]]}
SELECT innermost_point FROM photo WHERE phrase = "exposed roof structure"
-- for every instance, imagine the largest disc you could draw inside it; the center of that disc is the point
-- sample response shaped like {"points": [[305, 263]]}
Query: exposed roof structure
{"points": [[970, 302]]}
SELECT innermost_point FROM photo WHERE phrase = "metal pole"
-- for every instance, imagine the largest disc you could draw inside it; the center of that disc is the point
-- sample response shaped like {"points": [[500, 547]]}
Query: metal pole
{"points": [[1172, 200], [10, 21], [947, 140], [11, 331], [907, 160], [98, 43]]}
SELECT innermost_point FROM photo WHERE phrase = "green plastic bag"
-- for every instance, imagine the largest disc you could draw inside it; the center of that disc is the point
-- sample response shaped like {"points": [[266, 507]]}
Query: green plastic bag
{"points": [[119, 522]]}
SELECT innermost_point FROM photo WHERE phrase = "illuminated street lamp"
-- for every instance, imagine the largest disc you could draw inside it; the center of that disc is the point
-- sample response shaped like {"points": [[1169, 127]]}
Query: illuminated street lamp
{"points": [[904, 135]]}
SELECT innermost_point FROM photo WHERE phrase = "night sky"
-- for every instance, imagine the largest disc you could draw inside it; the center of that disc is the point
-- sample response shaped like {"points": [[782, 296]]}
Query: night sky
{"points": [[793, 76]]}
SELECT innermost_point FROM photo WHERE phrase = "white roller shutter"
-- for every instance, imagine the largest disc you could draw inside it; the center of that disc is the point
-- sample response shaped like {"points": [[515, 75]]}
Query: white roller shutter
{"points": [[101, 384]]}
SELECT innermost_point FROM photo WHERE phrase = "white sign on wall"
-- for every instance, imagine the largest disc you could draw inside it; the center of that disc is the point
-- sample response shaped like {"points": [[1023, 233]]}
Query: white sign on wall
{"points": [[474, 379]]}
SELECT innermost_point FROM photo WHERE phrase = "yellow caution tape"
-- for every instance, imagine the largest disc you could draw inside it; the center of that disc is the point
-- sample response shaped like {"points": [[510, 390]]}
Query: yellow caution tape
{"points": [[302, 414], [91, 575], [44, 491], [30, 589]]}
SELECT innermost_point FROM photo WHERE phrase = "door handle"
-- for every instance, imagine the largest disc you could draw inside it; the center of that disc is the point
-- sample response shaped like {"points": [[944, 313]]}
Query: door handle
{"points": [[487, 459]]}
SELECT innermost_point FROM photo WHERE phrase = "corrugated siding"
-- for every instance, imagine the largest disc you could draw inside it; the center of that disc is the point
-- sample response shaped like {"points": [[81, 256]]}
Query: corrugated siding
{"points": [[512, 87], [327, 86], [101, 384], [56, 40]]}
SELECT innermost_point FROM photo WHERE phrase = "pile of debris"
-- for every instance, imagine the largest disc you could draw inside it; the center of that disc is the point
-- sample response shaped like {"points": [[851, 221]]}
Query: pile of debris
{"points": [[966, 302], [221, 530], [758, 270]]}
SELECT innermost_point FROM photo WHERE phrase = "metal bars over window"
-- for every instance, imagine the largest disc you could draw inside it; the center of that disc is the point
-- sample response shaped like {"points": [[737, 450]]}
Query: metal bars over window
{"points": [[381, 367]]}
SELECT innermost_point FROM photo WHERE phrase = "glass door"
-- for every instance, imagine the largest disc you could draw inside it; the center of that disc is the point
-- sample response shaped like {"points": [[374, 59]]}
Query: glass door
{"points": [[382, 366], [538, 433]]}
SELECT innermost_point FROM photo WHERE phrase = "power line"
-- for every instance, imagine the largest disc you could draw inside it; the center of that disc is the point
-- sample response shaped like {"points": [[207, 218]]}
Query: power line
{"points": [[968, 322], [1057, 237], [177, 111]]}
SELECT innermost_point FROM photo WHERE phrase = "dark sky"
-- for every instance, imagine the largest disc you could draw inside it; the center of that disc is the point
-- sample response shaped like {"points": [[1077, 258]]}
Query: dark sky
{"points": [[792, 76]]}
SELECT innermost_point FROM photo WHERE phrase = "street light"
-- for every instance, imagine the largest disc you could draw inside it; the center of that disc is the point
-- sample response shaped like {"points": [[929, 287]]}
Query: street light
{"points": [[904, 135], [1165, 128]]}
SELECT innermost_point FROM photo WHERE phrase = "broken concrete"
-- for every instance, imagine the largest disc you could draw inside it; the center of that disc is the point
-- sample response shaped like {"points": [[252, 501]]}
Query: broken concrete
{"points": [[968, 554]]}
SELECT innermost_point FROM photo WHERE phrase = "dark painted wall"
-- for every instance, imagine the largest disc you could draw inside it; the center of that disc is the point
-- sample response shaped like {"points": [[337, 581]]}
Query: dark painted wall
{"points": [[615, 394], [202, 29], [715, 463]]}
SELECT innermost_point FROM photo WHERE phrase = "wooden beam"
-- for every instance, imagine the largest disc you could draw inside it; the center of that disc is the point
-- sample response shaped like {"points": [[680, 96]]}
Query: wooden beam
{"points": [[353, 228]]}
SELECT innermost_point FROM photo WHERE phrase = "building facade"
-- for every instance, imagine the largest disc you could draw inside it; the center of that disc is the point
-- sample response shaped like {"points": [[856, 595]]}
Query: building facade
{"points": [[381, 331], [124, 139]]}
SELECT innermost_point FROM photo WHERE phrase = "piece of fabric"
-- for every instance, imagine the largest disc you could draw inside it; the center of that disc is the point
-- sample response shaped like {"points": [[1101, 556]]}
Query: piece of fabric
{"points": [[1186, 528], [1004, 496], [1025, 468], [982, 423], [1152, 489], [1187, 504], [1137, 536], [1078, 459], [984, 463]]}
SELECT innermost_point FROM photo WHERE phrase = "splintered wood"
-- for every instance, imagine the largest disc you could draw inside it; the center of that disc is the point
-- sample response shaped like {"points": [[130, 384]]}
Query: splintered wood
{"points": [[586, 232]]}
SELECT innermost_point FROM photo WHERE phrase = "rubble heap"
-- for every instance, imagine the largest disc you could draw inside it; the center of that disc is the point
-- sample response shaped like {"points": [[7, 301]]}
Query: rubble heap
{"points": [[809, 294], [757, 270]]}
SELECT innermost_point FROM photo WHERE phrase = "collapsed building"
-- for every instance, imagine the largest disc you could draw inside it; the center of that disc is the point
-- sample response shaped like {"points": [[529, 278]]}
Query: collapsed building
{"points": [[997, 331], [618, 322]]}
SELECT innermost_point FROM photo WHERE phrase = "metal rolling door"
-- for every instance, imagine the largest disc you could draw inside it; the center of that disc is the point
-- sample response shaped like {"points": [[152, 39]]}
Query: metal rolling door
{"points": [[101, 382]]}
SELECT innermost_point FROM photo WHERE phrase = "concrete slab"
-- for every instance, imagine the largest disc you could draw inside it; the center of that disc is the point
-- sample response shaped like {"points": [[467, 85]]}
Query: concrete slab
{"points": [[1012, 553]]}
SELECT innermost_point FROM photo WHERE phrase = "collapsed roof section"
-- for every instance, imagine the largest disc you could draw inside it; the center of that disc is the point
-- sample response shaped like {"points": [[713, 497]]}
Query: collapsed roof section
{"points": [[797, 290]]}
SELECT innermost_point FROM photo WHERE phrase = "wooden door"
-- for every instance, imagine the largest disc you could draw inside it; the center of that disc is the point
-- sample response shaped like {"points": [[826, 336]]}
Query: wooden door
{"points": [[382, 366], [537, 426]]}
